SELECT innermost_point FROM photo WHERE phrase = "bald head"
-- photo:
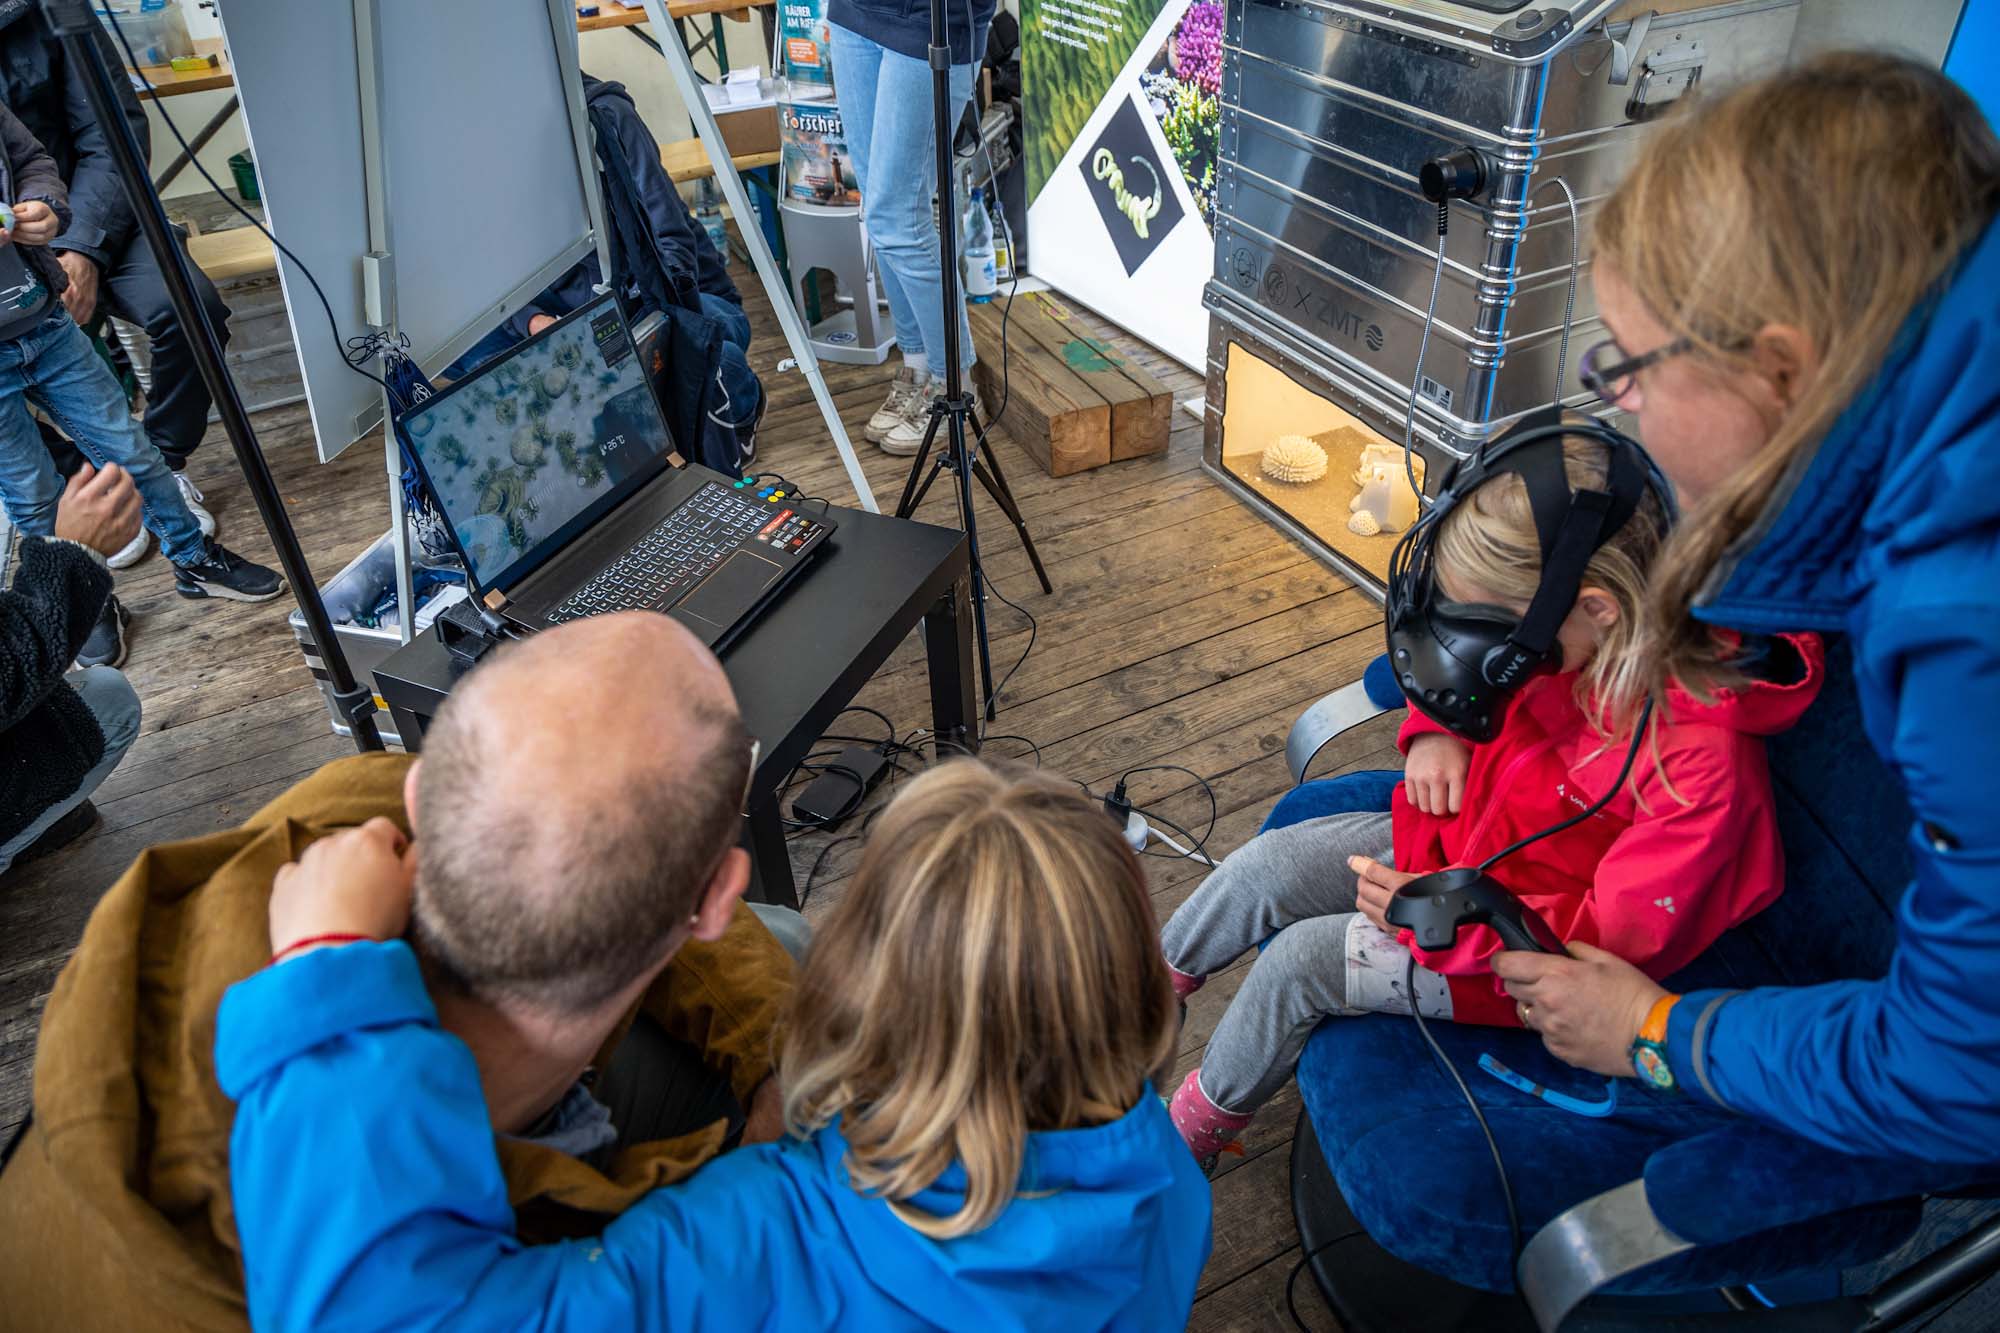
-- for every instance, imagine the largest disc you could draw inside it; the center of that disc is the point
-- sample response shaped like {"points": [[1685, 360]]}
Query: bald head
{"points": [[576, 794]]}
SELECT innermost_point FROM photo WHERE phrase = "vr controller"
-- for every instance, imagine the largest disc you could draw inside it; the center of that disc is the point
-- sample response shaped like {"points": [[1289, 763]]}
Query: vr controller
{"points": [[1434, 906]]}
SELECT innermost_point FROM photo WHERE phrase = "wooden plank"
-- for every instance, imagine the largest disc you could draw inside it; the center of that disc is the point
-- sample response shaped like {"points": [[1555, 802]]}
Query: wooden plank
{"points": [[686, 160], [1064, 422], [240, 252], [1141, 408]]}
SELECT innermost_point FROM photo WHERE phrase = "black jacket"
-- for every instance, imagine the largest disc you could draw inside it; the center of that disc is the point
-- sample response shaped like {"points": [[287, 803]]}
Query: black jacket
{"points": [[658, 233], [30, 173], [48, 738], [47, 94]]}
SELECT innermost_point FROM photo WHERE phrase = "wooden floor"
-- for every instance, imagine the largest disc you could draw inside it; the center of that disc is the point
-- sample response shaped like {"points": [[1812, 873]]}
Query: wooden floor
{"points": [[1182, 630]]}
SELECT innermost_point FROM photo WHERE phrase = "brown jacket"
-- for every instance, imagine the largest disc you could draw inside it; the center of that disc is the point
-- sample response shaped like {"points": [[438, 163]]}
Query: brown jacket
{"points": [[115, 1211]]}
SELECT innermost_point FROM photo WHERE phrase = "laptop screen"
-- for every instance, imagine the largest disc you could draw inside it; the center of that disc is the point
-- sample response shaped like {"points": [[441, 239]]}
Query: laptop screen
{"points": [[532, 448]]}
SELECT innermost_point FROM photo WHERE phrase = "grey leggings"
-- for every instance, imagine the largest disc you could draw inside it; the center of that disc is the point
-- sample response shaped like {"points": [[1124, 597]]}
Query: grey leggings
{"points": [[1326, 958]]}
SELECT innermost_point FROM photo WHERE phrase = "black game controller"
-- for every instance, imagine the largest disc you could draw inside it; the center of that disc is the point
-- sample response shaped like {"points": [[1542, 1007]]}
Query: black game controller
{"points": [[1434, 906]]}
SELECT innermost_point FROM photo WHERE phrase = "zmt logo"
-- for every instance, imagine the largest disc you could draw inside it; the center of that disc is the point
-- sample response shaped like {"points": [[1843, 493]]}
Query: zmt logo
{"points": [[1373, 337]]}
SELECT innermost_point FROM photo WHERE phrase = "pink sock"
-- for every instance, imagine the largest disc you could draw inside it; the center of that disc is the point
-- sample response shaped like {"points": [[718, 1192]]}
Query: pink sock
{"points": [[1207, 1128], [1184, 985]]}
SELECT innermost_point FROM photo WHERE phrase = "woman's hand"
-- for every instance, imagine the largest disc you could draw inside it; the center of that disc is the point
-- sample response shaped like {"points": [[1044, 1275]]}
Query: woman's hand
{"points": [[1588, 1007], [1434, 773], [1375, 885], [35, 223]]}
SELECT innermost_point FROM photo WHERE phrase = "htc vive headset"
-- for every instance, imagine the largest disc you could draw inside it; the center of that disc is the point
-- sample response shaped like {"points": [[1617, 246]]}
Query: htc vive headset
{"points": [[1459, 664]]}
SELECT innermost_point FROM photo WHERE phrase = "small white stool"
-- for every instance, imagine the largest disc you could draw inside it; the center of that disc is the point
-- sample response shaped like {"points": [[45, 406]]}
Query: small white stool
{"points": [[834, 239]]}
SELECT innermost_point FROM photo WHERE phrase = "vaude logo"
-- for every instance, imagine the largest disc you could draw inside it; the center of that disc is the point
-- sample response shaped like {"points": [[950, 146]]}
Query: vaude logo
{"points": [[1133, 194]]}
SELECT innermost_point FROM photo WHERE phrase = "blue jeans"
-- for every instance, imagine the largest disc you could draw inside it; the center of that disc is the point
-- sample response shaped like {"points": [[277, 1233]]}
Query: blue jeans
{"points": [[885, 107], [110, 697], [745, 391], [55, 367]]}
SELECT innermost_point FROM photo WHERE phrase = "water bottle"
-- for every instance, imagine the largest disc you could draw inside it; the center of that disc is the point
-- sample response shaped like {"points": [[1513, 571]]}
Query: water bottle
{"points": [[708, 212], [981, 280]]}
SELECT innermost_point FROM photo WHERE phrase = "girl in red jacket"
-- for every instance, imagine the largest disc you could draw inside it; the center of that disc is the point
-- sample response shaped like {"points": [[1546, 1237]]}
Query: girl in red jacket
{"points": [[1687, 849]]}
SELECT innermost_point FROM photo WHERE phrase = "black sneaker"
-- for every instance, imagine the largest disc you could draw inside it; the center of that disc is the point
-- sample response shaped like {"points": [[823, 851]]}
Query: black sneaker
{"points": [[106, 644], [60, 834], [223, 573]]}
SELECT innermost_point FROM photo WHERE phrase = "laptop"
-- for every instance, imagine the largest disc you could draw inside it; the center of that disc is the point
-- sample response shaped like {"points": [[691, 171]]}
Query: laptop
{"points": [[564, 494]]}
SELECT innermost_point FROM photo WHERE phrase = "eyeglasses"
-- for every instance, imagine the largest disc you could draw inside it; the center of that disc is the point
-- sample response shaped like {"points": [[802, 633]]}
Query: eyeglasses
{"points": [[1614, 380]]}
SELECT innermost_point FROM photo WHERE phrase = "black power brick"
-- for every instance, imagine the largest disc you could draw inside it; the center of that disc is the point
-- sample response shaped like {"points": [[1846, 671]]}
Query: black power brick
{"points": [[840, 788]]}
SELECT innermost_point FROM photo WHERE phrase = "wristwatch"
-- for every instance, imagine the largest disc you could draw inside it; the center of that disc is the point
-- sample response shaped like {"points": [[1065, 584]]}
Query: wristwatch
{"points": [[1649, 1049]]}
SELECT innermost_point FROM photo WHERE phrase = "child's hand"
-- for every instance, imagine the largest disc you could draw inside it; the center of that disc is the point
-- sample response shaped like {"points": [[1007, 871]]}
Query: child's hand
{"points": [[35, 223], [1375, 885], [1434, 773]]}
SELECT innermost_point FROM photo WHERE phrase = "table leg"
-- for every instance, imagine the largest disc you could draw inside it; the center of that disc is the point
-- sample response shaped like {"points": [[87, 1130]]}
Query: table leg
{"points": [[409, 728], [770, 857], [948, 647]]}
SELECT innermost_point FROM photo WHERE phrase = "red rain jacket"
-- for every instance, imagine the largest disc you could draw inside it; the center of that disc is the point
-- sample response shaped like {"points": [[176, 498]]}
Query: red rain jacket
{"points": [[1651, 878]]}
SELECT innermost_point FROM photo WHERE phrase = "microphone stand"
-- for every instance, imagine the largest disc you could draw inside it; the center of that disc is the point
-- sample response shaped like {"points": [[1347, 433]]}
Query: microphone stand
{"points": [[953, 412], [76, 28]]}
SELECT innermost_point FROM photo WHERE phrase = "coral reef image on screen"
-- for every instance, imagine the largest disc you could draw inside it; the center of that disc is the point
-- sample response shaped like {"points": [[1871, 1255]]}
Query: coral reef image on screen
{"points": [[531, 442]]}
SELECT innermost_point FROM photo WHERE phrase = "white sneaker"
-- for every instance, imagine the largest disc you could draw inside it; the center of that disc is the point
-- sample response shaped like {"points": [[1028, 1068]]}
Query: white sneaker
{"points": [[908, 437], [133, 551], [907, 397], [192, 494]]}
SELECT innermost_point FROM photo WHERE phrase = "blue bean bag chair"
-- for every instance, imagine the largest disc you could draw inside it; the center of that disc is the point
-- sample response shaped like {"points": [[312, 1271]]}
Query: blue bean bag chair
{"points": [[1392, 1150]]}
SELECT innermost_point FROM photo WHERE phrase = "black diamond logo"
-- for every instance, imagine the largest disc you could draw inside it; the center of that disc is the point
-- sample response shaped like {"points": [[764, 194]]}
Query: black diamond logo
{"points": [[1130, 188]]}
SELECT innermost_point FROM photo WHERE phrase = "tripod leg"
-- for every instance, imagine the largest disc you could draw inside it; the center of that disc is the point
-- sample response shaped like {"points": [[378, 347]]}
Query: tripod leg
{"points": [[997, 488], [925, 489], [912, 497]]}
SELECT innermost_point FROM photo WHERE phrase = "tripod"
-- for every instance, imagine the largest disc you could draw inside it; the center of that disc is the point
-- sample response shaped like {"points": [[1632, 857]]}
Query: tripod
{"points": [[953, 412], [75, 27]]}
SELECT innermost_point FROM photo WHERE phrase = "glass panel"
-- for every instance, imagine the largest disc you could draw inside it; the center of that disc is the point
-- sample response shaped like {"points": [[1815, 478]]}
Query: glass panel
{"points": [[1315, 460]]}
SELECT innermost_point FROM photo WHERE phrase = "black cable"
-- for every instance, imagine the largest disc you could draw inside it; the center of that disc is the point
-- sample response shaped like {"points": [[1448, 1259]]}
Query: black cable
{"points": [[1292, 1282], [1034, 630], [194, 160], [1631, 756], [1499, 1165], [875, 713], [1195, 850], [1214, 811]]}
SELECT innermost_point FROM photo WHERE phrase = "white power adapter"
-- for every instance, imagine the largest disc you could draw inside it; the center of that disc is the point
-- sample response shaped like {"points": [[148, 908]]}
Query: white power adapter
{"points": [[1138, 832]]}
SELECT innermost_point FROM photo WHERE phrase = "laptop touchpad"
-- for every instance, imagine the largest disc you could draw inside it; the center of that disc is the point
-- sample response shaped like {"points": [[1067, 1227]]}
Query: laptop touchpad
{"points": [[726, 594]]}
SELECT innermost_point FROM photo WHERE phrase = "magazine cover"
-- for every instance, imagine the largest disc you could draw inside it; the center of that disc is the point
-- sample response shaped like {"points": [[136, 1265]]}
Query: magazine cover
{"points": [[805, 49], [814, 154]]}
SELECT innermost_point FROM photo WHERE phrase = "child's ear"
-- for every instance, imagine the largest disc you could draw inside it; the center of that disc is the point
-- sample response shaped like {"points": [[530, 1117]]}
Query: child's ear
{"points": [[1599, 606]]}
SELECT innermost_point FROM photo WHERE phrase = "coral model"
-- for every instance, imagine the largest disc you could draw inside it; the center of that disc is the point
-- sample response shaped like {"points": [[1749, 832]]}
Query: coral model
{"points": [[1294, 458]]}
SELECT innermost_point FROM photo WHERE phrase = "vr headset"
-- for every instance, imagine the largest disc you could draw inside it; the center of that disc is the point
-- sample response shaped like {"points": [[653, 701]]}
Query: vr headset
{"points": [[1459, 664]]}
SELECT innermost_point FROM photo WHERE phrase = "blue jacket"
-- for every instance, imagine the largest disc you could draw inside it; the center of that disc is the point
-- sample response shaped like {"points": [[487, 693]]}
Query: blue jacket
{"points": [[368, 1195], [904, 26], [1891, 531]]}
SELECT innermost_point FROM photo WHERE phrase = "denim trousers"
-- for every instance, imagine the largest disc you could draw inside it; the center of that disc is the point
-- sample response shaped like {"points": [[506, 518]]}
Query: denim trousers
{"points": [[745, 392], [111, 699], [885, 108], [55, 367]]}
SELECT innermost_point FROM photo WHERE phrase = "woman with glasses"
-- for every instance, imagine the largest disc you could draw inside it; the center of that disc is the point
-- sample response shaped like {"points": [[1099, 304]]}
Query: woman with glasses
{"points": [[1799, 279]]}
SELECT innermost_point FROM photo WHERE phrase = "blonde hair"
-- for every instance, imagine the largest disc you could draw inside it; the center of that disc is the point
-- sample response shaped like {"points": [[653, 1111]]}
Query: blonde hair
{"points": [[1832, 197], [993, 969], [1489, 541]]}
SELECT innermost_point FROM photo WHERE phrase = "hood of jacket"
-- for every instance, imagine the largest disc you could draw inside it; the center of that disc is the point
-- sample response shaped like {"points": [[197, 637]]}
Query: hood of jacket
{"points": [[1068, 1253], [1907, 468]]}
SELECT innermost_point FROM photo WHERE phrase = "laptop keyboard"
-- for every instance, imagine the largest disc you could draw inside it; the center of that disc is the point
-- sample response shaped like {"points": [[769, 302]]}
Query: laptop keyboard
{"points": [[673, 557]]}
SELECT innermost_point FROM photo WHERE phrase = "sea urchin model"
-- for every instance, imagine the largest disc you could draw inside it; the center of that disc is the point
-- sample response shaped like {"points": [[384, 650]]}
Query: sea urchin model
{"points": [[1294, 458]]}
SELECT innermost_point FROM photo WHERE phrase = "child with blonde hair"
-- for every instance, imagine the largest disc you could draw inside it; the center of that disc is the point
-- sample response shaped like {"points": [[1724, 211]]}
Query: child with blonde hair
{"points": [[1687, 849], [976, 1143]]}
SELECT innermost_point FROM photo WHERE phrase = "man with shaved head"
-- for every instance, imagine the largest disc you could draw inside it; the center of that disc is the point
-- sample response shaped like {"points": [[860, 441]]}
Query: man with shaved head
{"points": [[579, 919]]}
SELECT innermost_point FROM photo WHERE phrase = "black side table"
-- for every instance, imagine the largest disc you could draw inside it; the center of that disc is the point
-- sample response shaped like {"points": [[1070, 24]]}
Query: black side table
{"points": [[799, 663]]}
